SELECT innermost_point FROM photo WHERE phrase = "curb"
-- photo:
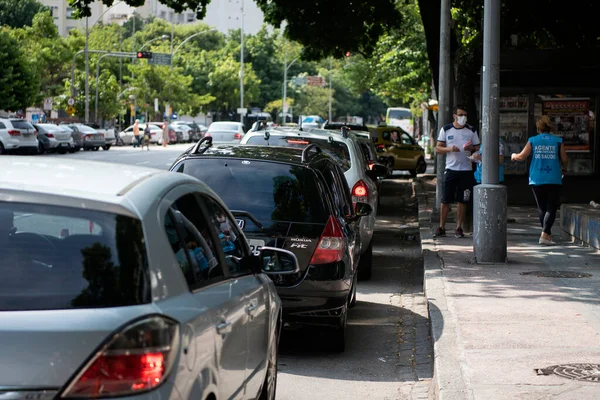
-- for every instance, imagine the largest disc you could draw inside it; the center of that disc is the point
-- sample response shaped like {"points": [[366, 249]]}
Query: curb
{"points": [[448, 382]]}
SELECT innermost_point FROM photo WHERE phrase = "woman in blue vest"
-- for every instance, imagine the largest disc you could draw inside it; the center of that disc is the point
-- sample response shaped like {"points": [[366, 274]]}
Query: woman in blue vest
{"points": [[548, 164]]}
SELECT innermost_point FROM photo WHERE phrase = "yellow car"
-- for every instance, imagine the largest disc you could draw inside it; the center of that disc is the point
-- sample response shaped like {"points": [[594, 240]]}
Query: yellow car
{"points": [[403, 153]]}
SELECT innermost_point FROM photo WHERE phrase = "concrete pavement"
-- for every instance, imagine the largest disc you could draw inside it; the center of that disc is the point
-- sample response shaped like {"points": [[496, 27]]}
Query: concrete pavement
{"points": [[498, 328]]}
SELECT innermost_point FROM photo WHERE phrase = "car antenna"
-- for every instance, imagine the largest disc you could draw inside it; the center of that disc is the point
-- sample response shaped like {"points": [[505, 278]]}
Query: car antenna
{"points": [[206, 139], [267, 134], [307, 149], [300, 123], [344, 131]]}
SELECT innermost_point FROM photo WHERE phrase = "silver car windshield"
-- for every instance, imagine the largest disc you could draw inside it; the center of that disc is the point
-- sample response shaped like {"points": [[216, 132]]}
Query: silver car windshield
{"points": [[63, 258]]}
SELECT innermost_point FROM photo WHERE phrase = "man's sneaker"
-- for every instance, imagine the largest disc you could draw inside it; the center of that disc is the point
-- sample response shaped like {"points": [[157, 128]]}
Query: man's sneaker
{"points": [[459, 233], [440, 232]]}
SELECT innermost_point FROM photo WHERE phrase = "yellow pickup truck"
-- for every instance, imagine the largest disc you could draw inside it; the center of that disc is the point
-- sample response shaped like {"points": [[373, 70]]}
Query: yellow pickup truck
{"points": [[403, 153]]}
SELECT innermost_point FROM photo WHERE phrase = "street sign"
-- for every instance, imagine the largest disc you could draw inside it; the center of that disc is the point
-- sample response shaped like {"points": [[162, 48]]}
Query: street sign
{"points": [[299, 81], [71, 101], [242, 111], [70, 110], [160, 59], [48, 103], [156, 105], [315, 81]]}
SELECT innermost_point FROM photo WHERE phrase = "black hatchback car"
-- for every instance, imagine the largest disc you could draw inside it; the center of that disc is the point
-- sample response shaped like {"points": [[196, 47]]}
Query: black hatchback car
{"points": [[298, 200]]}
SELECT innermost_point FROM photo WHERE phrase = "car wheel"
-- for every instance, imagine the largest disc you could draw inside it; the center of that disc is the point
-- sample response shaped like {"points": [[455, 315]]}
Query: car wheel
{"points": [[106, 148], [269, 386], [2, 149], [41, 149], [61, 150], [365, 265], [73, 149], [338, 335], [95, 148], [420, 168]]}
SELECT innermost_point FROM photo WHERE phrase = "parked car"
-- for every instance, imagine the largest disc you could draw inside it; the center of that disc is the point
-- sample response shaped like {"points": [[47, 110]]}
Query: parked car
{"points": [[17, 135], [403, 153], [127, 275], [155, 133], [109, 136], [226, 131], [173, 132], [194, 131], [296, 199], [86, 137], [52, 138], [359, 176]]}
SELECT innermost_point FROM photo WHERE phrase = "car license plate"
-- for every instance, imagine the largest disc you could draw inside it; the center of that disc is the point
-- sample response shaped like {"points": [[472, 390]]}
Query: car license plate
{"points": [[256, 245]]}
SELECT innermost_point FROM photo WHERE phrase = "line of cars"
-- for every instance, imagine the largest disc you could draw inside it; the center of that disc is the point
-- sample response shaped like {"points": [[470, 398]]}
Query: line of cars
{"points": [[179, 132], [20, 136]]}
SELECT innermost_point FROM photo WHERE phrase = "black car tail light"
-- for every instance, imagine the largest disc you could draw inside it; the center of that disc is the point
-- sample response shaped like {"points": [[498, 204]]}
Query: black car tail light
{"points": [[135, 360]]}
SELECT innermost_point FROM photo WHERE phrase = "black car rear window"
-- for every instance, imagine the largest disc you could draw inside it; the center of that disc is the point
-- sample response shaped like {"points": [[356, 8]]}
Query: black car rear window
{"points": [[269, 191], [63, 258], [20, 124], [338, 150]]}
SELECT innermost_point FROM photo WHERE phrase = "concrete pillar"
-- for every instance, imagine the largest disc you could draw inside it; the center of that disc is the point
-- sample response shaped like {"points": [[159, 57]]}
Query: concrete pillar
{"points": [[489, 228]]}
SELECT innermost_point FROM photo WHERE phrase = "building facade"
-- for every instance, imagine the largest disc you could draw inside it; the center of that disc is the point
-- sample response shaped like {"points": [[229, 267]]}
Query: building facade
{"points": [[224, 15]]}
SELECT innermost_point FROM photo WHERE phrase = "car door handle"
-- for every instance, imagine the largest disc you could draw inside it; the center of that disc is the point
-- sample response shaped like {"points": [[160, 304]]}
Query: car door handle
{"points": [[224, 327], [251, 309]]}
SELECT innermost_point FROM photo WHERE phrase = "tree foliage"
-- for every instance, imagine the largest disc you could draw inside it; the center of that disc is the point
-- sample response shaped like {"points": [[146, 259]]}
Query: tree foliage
{"points": [[18, 13], [19, 83]]}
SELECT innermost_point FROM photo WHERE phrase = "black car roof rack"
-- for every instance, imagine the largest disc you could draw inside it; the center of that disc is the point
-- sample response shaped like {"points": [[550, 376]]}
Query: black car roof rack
{"points": [[307, 150], [206, 139]]}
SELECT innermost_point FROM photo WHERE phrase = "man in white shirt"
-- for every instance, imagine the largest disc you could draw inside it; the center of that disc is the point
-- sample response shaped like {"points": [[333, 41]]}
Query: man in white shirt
{"points": [[457, 140]]}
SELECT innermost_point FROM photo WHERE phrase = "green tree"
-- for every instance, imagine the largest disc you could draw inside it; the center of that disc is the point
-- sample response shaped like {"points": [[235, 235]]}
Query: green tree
{"points": [[224, 84], [312, 100], [18, 13], [262, 52], [19, 83], [47, 52]]}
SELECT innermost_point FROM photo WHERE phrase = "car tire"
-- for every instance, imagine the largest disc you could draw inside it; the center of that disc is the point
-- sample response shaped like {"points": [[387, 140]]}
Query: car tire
{"points": [[338, 335], [269, 387], [2, 149], [73, 149], [352, 302], [365, 265], [61, 150], [41, 149], [106, 148], [420, 168], [95, 148]]}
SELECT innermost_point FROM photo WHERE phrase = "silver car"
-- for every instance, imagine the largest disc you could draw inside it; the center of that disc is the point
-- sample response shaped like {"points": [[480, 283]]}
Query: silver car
{"points": [[17, 135], [120, 281], [361, 180], [53, 138], [226, 132]]}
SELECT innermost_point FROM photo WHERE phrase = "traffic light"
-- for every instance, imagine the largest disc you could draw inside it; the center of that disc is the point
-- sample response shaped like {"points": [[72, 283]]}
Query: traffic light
{"points": [[144, 54]]}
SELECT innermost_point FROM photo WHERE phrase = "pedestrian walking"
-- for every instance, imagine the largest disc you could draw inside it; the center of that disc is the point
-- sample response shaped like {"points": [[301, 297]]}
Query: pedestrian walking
{"points": [[548, 164], [146, 138], [477, 158], [165, 133], [136, 133], [457, 140]]}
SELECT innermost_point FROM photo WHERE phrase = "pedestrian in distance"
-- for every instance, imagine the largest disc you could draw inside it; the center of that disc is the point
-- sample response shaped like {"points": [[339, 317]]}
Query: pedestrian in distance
{"points": [[477, 158], [549, 163], [146, 138], [136, 133], [165, 133], [457, 140]]}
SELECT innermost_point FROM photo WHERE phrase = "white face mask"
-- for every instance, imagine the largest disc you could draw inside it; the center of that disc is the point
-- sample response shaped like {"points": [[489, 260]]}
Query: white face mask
{"points": [[462, 120]]}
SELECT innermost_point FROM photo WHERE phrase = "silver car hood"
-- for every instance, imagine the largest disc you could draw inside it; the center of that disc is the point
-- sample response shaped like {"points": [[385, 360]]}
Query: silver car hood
{"points": [[44, 349]]}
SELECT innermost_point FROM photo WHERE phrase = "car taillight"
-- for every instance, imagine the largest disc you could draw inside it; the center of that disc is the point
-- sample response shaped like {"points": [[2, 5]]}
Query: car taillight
{"points": [[237, 136], [13, 132], [206, 134], [87, 137], [331, 244], [360, 192], [50, 135], [135, 360], [380, 147]]}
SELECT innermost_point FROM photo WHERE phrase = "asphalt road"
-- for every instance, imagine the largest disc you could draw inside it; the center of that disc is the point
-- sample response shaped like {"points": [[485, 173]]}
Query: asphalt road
{"points": [[388, 353]]}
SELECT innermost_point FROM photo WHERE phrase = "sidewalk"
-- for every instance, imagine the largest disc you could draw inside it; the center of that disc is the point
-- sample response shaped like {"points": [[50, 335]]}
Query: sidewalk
{"points": [[497, 329]]}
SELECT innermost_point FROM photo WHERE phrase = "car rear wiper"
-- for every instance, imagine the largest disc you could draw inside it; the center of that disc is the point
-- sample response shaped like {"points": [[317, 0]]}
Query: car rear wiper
{"points": [[246, 214]]}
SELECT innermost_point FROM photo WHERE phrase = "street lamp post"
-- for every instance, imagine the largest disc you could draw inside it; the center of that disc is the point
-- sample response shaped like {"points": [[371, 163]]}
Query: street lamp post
{"points": [[285, 70], [330, 86], [242, 65]]}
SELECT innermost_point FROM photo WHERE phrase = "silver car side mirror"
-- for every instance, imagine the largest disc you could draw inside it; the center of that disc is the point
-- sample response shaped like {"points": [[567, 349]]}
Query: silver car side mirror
{"points": [[275, 261]]}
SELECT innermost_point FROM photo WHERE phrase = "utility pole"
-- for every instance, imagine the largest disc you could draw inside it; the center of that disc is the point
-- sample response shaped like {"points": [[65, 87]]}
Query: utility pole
{"points": [[284, 100], [120, 74], [330, 85], [242, 65], [444, 98], [87, 72], [133, 45], [489, 200]]}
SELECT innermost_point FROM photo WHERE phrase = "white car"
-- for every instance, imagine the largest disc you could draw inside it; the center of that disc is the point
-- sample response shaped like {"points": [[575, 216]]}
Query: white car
{"points": [[348, 153], [17, 135], [226, 131], [155, 134]]}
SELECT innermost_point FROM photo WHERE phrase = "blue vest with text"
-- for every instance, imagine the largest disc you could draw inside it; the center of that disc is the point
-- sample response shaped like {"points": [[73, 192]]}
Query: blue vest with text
{"points": [[545, 166]]}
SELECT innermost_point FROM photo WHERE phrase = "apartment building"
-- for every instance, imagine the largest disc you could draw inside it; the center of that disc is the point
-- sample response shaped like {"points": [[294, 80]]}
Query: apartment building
{"points": [[224, 15]]}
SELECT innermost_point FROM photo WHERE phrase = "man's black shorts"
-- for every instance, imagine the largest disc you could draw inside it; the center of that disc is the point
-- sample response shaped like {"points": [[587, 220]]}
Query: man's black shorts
{"points": [[458, 186]]}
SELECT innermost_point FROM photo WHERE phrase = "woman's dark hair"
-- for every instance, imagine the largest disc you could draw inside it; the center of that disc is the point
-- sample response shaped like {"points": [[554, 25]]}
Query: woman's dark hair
{"points": [[459, 107]]}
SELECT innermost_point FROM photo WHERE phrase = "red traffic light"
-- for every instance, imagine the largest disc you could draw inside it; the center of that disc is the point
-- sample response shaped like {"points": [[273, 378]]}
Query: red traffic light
{"points": [[144, 54]]}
